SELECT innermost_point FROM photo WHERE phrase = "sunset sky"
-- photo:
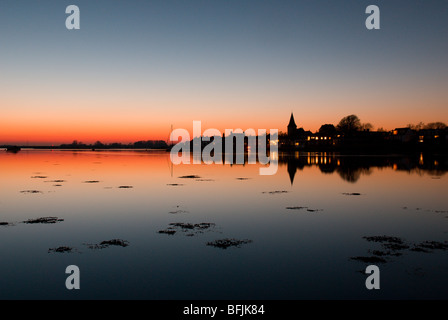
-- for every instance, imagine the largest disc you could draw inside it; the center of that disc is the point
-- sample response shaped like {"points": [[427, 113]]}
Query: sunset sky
{"points": [[137, 67]]}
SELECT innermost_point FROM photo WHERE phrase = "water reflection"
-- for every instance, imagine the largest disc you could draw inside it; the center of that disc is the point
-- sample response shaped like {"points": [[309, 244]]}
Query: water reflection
{"points": [[351, 168], [127, 212]]}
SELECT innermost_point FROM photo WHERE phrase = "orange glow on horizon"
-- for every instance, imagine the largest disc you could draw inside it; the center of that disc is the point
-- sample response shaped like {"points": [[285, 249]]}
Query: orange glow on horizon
{"points": [[132, 126]]}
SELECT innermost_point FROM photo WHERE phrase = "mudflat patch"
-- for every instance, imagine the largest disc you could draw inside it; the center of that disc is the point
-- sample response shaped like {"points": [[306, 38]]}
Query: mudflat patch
{"points": [[228, 242]]}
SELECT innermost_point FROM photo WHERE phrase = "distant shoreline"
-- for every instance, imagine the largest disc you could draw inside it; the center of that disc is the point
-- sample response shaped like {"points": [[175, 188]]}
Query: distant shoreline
{"points": [[281, 151]]}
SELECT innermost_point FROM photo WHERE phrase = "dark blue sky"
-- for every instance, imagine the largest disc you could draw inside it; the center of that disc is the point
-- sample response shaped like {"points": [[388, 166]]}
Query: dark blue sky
{"points": [[212, 59]]}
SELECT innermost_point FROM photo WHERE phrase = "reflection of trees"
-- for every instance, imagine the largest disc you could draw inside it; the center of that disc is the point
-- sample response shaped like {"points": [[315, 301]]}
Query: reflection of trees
{"points": [[328, 168], [351, 168], [431, 172], [352, 175]]}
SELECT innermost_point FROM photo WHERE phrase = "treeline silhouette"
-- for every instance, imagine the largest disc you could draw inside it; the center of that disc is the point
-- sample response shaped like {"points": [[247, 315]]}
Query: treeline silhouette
{"points": [[351, 135], [148, 144]]}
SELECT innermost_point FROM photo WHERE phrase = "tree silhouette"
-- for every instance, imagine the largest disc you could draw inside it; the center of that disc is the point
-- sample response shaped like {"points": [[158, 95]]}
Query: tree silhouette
{"points": [[366, 126], [417, 126], [327, 130], [349, 124], [435, 125]]}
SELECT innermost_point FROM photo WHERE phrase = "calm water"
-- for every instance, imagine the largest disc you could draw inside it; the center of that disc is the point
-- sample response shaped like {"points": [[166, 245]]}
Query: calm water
{"points": [[295, 253]]}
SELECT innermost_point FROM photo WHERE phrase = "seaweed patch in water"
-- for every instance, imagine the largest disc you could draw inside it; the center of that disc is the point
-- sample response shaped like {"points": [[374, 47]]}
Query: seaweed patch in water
{"points": [[384, 239], [167, 231], [225, 243], [301, 208], [178, 211], [275, 192], [197, 226], [108, 243], [31, 191], [115, 242], [385, 253], [44, 220], [125, 187], [420, 249], [395, 246], [432, 245], [190, 177], [351, 194], [91, 181], [191, 228], [62, 249]]}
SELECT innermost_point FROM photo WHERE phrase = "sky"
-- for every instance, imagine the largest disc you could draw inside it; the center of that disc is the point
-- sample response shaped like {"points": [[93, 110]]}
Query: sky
{"points": [[135, 68]]}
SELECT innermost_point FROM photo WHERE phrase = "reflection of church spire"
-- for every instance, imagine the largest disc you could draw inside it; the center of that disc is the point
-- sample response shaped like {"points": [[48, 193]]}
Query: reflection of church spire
{"points": [[292, 168]]}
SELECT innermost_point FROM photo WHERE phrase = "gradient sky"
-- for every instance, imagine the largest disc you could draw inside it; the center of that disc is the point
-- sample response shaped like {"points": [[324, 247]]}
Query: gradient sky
{"points": [[137, 67]]}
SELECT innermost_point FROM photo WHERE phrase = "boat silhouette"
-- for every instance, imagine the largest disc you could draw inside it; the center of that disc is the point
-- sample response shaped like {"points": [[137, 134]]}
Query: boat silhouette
{"points": [[14, 149]]}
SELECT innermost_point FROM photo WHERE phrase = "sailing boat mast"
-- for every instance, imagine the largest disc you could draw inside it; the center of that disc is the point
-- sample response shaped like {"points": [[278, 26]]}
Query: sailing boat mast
{"points": [[169, 142], [170, 146]]}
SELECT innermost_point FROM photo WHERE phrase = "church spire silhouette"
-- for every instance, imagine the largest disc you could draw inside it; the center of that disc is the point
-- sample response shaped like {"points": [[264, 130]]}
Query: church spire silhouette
{"points": [[292, 127]]}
